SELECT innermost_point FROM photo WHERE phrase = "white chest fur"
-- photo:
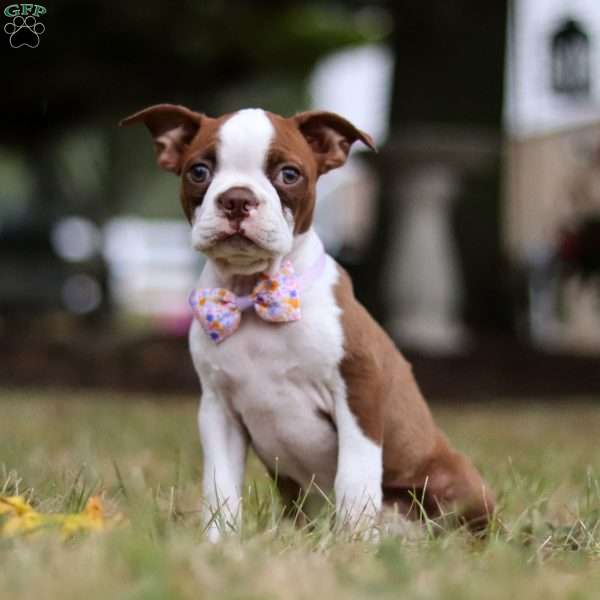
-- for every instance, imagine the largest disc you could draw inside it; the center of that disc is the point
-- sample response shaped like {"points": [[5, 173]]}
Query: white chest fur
{"points": [[280, 380]]}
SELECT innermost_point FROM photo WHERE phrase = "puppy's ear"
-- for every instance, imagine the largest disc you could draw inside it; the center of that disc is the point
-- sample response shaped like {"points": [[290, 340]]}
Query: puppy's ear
{"points": [[330, 137], [172, 127]]}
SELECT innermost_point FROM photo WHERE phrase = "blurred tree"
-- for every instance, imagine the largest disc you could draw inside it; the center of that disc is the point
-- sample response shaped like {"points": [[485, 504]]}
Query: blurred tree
{"points": [[447, 103], [96, 60]]}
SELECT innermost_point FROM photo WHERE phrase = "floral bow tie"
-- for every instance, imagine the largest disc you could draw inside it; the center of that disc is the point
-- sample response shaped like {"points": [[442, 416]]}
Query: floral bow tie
{"points": [[274, 299]]}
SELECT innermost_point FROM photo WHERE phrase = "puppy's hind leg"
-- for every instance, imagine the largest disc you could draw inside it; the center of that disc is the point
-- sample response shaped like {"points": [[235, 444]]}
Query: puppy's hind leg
{"points": [[447, 485], [454, 485]]}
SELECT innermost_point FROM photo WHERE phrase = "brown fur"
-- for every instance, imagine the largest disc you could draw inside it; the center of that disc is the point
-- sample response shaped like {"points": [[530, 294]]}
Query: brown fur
{"points": [[290, 147], [201, 149], [389, 407], [330, 137], [182, 138]]}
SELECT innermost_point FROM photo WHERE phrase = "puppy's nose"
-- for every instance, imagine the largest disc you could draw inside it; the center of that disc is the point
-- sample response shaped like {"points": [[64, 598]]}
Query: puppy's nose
{"points": [[237, 203]]}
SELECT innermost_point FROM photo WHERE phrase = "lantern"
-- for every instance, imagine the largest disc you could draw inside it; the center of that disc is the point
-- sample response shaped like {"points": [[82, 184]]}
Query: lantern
{"points": [[570, 47]]}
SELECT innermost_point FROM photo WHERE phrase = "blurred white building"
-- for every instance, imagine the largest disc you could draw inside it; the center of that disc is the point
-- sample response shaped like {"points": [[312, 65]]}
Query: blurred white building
{"points": [[552, 116]]}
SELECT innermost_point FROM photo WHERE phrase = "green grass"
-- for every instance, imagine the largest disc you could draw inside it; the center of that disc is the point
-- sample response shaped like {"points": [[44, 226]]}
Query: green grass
{"points": [[143, 455]]}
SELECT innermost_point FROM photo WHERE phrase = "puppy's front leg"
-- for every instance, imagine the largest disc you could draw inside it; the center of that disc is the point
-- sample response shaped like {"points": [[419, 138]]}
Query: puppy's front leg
{"points": [[224, 445], [358, 493]]}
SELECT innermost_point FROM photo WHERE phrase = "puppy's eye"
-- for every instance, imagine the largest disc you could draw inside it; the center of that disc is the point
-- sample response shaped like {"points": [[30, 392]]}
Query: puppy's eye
{"points": [[288, 175], [199, 173]]}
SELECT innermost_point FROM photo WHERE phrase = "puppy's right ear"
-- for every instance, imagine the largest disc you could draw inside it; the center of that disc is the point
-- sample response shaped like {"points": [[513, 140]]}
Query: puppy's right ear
{"points": [[172, 127]]}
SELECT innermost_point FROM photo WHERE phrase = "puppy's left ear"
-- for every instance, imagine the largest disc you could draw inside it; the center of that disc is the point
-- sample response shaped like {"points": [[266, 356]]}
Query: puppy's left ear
{"points": [[172, 128], [330, 137]]}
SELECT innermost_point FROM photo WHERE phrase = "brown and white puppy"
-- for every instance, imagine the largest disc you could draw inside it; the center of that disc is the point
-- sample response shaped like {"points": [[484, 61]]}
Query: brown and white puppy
{"points": [[327, 399]]}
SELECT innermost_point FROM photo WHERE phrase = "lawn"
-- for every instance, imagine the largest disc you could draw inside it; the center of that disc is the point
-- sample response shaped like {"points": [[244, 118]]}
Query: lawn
{"points": [[142, 454]]}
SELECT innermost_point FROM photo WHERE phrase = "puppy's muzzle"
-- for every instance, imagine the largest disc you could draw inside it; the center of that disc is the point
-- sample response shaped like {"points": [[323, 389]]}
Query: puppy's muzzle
{"points": [[237, 203]]}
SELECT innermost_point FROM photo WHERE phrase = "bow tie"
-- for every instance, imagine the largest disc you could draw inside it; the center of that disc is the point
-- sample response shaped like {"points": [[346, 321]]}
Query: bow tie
{"points": [[274, 299]]}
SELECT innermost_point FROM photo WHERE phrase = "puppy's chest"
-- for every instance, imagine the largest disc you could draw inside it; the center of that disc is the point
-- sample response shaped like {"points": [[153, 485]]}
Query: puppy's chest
{"points": [[263, 365], [281, 380]]}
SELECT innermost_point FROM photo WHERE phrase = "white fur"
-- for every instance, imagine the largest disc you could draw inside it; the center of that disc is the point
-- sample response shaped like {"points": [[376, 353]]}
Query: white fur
{"points": [[277, 381], [280, 375], [242, 150], [225, 446], [358, 492], [277, 386]]}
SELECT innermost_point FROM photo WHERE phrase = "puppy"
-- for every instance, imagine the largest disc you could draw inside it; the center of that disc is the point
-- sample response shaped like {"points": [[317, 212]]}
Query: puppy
{"points": [[288, 360]]}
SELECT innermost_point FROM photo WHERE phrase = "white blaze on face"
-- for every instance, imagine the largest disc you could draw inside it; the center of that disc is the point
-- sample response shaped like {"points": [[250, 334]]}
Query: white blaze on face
{"points": [[242, 152], [244, 142]]}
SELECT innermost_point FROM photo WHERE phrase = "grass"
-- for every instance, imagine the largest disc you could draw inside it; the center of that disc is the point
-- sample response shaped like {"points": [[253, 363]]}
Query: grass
{"points": [[144, 457]]}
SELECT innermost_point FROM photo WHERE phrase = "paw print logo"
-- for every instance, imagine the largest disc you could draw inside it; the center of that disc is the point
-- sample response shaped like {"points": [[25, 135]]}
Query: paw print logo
{"points": [[24, 31]]}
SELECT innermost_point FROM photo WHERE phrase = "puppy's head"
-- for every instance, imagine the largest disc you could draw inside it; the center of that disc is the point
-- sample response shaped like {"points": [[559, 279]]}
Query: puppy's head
{"points": [[247, 178]]}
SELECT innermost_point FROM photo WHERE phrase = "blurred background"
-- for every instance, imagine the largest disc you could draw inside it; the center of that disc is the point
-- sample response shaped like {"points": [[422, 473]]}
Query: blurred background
{"points": [[473, 235]]}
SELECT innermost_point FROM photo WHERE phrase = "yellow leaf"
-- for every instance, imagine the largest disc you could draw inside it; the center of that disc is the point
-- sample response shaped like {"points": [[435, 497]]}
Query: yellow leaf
{"points": [[23, 523], [14, 504], [22, 518], [93, 508]]}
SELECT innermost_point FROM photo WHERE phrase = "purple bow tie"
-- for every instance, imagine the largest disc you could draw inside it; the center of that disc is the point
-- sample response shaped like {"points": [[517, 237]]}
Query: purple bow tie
{"points": [[275, 299]]}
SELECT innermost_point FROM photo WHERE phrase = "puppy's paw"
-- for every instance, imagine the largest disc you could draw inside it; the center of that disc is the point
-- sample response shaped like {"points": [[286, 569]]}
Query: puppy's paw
{"points": [[358, 519], [213, 534]]}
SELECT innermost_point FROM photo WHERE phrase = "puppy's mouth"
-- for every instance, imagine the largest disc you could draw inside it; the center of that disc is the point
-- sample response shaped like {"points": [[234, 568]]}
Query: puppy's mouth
{"points": [[237, 250], [236, 241]]}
